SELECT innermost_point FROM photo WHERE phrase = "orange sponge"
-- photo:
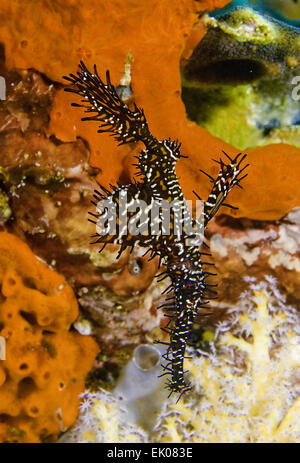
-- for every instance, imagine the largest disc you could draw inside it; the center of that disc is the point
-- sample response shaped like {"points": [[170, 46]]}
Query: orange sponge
{"points": [[46, 364]]}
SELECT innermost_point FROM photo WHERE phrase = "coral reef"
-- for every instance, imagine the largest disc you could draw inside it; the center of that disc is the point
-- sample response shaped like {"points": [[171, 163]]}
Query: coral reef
{"points": [[41, 377], [123, 33], [46, 181], [246, 387]]}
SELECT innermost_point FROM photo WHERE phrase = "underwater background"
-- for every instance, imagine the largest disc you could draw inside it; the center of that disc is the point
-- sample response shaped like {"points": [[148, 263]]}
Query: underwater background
{"points": [[78, 361]]}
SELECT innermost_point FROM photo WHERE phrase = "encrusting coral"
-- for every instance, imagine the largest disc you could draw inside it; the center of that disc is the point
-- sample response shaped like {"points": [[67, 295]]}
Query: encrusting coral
{"points": [[246, 389], [45, 366]]}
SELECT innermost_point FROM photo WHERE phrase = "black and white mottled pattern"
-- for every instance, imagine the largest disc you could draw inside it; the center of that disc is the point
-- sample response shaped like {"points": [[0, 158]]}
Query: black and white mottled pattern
{"points": [[157, 182]]}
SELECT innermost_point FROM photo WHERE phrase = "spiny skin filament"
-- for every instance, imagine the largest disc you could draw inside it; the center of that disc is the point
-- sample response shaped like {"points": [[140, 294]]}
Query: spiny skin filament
{"points": [[157, 180]]}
